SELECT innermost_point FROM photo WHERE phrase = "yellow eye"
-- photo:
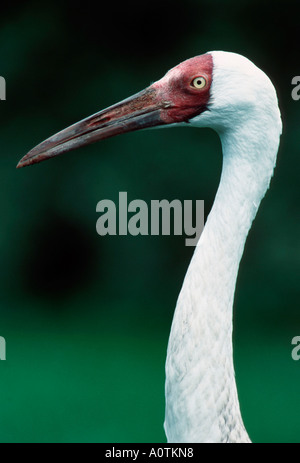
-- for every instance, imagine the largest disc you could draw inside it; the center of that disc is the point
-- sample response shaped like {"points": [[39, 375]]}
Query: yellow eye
{"points": [[198, 82]]}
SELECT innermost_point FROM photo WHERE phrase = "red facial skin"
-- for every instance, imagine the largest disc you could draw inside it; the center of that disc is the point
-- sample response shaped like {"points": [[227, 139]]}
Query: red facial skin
{"points": [[186, 100]]}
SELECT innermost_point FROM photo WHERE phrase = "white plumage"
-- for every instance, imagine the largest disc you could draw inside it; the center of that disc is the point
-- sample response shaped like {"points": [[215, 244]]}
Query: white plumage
{"points": [[201, 397]]}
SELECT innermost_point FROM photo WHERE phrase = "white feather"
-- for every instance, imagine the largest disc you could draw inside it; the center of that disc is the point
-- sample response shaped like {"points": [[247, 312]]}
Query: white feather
{"points": [[201, 396]]}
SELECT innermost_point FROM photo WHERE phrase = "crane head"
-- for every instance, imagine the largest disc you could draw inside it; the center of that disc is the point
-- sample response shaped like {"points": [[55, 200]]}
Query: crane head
{"points": [[180, 95], [221, 90]]}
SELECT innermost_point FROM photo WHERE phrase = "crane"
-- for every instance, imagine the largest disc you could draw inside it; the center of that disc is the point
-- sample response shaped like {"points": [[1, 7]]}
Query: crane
{"points": [[228, 93]]}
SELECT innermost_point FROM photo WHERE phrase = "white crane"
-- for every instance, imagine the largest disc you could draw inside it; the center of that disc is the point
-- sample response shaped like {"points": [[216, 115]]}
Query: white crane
{"points": [[227, 92]]}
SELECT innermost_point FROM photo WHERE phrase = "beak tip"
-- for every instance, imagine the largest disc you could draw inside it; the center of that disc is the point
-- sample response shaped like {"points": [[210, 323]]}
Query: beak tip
{"points": [[22, 163], [25, 162]]}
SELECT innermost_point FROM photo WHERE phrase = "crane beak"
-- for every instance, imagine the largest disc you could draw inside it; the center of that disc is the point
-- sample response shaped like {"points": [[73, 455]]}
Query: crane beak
{"points": [[140, 111]]}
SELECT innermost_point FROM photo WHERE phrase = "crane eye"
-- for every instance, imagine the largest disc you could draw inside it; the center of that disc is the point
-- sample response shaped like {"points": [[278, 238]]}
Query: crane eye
{"points": [[199, 82]]}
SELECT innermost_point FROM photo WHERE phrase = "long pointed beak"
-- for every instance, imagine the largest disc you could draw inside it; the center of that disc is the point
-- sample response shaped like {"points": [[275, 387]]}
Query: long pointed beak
{"points": [[140, 111]]}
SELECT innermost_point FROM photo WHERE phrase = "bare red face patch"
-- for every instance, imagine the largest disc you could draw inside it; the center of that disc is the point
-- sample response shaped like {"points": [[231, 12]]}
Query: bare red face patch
{"points": [[187, 88]]}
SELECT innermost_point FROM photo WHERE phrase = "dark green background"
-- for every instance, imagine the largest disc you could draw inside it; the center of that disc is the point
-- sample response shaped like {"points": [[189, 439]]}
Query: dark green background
{"points": [[86, 319]]}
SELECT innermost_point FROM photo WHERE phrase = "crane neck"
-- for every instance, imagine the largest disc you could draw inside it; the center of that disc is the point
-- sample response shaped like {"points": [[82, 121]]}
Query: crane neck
{"points": [[201, 396]]}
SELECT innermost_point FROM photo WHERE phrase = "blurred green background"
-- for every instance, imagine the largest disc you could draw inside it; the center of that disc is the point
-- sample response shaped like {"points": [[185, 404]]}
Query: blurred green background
{"points": [[86, 319]]}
